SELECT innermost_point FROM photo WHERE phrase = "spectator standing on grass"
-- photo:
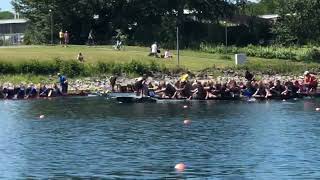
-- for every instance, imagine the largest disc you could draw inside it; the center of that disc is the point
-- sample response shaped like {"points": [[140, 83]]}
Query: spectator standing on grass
{"points": [[66, 39], [90, 38], [61, 36], [63, 84], [154, 50]]}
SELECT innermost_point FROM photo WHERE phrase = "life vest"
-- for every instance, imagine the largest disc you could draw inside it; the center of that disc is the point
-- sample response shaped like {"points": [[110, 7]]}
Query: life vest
{"points": [[310, 80]]}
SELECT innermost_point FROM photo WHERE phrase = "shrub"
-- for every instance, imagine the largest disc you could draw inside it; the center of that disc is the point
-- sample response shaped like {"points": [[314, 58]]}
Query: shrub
{"points": [[311, 55], [269, 52]]}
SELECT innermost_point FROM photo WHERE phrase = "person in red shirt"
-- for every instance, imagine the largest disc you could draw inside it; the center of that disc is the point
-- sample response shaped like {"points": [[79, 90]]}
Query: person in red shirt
{"points": [[310, 82]]}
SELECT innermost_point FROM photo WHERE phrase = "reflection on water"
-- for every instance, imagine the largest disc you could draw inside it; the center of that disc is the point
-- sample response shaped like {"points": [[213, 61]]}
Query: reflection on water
{"points": [[89, 137]]}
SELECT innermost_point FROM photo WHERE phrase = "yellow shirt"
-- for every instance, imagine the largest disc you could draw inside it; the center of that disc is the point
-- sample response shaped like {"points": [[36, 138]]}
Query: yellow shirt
{"points": [[61, 35]]}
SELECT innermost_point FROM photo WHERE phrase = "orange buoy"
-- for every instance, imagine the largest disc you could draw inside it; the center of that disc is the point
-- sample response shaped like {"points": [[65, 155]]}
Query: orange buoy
{"points": [[41, 116], [180, 167], [187, 122]]}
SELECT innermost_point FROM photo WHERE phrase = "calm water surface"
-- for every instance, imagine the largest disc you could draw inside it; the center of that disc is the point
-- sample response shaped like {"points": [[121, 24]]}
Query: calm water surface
{"points": [[91, 138]]}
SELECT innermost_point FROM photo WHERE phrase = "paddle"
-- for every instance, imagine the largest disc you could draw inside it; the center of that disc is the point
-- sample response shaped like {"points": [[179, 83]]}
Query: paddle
{"points": [[49, 94]]}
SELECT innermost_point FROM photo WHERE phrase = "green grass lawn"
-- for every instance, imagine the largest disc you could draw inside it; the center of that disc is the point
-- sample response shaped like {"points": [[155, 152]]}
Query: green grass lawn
{"points": [[190, 59]]}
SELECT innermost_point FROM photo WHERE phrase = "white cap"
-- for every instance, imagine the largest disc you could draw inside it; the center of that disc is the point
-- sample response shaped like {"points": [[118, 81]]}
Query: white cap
{"points": [[306, 73]]}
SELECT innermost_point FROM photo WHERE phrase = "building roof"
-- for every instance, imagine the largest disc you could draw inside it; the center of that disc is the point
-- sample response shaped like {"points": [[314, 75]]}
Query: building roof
{"points": [[13, 21]]}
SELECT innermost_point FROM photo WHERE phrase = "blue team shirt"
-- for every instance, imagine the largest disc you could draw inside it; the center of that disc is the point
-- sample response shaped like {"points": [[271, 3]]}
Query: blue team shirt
{"points": [[62, 79]]}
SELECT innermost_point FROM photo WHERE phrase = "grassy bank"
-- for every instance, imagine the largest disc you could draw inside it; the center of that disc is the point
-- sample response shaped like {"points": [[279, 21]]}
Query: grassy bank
{"points": [[302, 54], [36, 63], [192, 60]]}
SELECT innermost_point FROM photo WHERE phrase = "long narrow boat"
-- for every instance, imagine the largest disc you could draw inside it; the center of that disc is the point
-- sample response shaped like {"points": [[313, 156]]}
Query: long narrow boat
{"points": [[133, 98]]}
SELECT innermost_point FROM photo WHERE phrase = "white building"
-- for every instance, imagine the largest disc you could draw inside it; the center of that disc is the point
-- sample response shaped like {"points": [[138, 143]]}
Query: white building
{"points": [[12, 31]]}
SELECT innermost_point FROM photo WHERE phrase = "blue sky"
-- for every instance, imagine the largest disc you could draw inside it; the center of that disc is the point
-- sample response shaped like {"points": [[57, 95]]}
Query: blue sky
{"points": [[6, 6]]}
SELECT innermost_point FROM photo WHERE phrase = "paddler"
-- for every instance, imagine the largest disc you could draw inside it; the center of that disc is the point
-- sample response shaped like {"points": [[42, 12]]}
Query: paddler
{"points": [[199, 93], [310, 82], [113, 80], [166, 90], [63, 83], [186, 87], [139, 85]]}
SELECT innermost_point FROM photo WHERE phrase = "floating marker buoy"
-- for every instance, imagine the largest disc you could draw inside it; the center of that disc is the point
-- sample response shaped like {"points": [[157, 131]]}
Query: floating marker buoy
{"points": [[317, 109], [180, 167], [187, 122], [284, 100], [41, 116], [185, 107]]}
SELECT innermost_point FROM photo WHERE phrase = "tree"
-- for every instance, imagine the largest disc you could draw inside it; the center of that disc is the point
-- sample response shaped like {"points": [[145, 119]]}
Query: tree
{"points": [[6, 15], [263, 7], [299, 22], [142, 20]]}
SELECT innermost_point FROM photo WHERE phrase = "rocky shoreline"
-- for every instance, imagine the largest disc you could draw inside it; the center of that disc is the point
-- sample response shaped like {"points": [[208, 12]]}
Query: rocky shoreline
{"points": [[102, 83]]}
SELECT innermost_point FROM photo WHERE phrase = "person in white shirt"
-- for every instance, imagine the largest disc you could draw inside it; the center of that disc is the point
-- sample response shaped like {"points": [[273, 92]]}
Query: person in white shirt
{"points": [[154, 50], [167, 54]]}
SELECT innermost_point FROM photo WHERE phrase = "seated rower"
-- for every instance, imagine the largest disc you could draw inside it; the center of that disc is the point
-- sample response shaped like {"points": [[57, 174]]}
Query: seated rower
{"points": [[5, 92], [130, 88], [166, 90], [10, 92], [298, 87], [262, 91], [21, 92], [31, 92], [310, 82], [139, 85], [217, 90], [225, 91], [199, 93], [248, 90], [209, 89], [234, 89], [185, 90], [2, 95], [56, 90], [277, 89], [290, 90], [44, 91]]}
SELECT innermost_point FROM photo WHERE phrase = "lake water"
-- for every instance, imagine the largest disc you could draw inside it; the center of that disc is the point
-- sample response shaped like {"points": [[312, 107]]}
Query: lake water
{"points": [[93, 138]]}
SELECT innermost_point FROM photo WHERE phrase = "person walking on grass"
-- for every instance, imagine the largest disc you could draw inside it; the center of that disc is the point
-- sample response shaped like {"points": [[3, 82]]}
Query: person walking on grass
{"points": [[66, 39], [63, 84], [90, 38], [61, 37]]}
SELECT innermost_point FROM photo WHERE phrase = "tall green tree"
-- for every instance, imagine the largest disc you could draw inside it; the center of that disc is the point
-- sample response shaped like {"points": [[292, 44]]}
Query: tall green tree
{"points": [[299, 22]]}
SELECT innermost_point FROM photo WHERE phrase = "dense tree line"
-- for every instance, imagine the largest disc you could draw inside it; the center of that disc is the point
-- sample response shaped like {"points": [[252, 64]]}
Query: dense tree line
{"points": [[145, 21]]}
